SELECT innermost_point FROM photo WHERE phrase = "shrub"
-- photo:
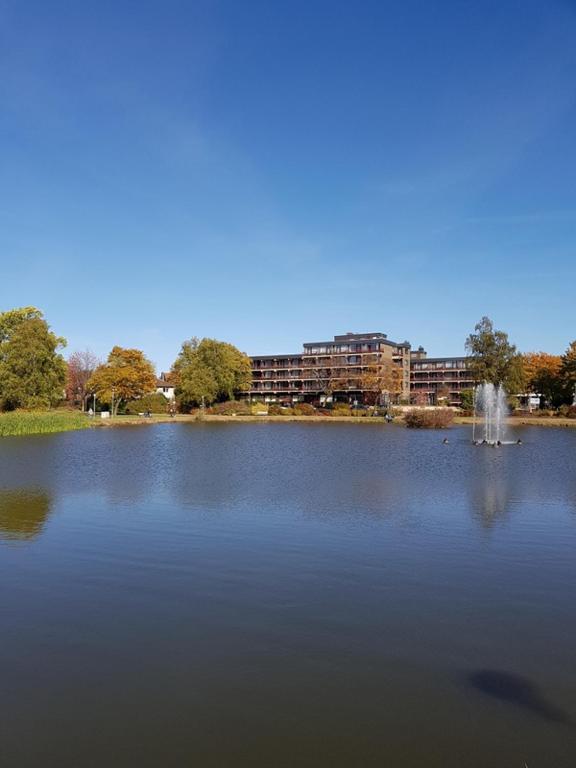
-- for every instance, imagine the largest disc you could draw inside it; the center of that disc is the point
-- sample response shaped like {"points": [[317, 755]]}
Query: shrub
{"points": [[279, 410], [439, 418], [567, 411], [304, 409], [340, 409], [231, 408], [155, 403]]}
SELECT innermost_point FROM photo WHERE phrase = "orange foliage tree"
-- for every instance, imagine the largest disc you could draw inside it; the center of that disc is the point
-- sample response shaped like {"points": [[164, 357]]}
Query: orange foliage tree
{"points": [[126, 375], [542, 374]]}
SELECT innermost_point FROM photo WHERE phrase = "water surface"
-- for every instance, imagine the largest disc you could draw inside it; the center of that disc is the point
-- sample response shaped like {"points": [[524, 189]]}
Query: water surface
{"points": [[287, 594]]}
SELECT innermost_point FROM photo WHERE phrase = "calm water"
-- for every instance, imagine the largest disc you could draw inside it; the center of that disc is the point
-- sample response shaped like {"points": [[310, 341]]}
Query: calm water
{"points": [[287, 595]]}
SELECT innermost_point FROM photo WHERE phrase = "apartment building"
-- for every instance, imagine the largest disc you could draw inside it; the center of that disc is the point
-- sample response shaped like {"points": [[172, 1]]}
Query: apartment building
{"points": [[358, 368], [439, 379]]}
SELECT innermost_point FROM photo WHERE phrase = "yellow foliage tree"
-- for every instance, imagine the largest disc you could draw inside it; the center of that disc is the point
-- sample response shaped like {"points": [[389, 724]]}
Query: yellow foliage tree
{"points": [[542, 374], [126, 375], [381, 381]]}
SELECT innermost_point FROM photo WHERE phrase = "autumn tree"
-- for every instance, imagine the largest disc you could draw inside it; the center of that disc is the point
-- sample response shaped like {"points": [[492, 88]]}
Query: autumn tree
{"points": [[542, 375], [81, 365], [209, 370], [493, 359], [568, 373], [381, 380], [126, 375], [32, 370]]}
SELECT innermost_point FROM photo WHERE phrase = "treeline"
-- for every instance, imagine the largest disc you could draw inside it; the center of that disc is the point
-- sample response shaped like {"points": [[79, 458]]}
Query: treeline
{"points": [[34, 374], [493, 358]]}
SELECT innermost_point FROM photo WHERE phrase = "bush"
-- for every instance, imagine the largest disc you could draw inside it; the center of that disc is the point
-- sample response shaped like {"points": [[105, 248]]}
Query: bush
{"points": [[304, 409], [231, 408], [279, 410], [439, 418], [155, 403], [567, 411], [341, 409]]}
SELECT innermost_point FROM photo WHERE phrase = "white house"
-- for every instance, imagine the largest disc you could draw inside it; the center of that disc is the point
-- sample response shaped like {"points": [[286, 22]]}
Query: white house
{"points": [[164, 387]]}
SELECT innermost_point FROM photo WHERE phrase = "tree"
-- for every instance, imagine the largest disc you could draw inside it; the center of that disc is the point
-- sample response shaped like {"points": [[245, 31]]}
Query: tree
{"points": [[493, 359], [126, 375], [381, 380], [542, 376], [568, 373], [210, 370], [326, 373], [81, 366], [467, 399], [32, 372], [13, 319]]}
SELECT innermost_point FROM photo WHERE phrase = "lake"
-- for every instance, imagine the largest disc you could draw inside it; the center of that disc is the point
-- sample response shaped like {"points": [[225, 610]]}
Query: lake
{"points": [[287, 595]]}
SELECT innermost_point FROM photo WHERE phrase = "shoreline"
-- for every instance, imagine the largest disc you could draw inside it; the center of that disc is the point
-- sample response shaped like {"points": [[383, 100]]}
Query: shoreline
{"points": [[119, 421]]}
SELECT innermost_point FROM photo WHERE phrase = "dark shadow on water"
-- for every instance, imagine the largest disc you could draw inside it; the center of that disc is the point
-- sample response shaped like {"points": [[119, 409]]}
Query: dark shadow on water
{"points": [[518, 691], [23, 514]]}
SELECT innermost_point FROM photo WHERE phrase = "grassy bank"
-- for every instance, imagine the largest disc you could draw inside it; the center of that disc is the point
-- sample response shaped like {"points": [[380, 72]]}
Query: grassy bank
{"points": [[18, 423]]}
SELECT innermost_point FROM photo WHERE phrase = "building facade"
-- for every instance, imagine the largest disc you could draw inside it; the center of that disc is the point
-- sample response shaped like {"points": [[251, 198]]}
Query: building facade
{"points": [[359, 368], [165, 387]]}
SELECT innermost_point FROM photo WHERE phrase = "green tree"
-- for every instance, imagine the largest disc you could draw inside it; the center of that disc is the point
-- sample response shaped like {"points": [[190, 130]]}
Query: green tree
{"points": [[210, 370], [13, 319], [467, 399], [126, 375], [32, 372], [492, 358]]}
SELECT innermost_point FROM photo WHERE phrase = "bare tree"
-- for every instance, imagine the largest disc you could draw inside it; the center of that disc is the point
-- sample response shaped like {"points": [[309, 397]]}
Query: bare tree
{"points": [[326, 374], [81, 366]]}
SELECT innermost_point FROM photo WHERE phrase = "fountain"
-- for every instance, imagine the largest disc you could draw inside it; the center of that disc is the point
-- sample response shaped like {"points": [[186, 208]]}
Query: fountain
{"points": [[490, 411]]}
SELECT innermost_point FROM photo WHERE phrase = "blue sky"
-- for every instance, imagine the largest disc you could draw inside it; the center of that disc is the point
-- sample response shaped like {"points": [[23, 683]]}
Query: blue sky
{"points": [[274, 172]]}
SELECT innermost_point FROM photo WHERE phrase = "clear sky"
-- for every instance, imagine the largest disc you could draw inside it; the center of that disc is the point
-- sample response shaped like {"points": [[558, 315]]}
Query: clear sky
{"points": [[270, 172]]}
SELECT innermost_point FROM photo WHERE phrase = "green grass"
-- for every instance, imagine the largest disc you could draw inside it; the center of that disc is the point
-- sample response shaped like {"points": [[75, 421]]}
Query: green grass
{"points": [[40, 422]]}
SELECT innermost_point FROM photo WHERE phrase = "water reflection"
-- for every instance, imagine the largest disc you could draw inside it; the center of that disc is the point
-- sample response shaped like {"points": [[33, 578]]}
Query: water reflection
{"points": [[23, 514], [491, 485], [517, 690]]}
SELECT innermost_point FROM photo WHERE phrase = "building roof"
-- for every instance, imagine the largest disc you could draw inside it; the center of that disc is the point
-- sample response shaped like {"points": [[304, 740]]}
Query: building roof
{"points": [[359, 337]]}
